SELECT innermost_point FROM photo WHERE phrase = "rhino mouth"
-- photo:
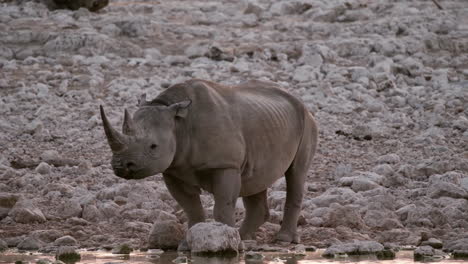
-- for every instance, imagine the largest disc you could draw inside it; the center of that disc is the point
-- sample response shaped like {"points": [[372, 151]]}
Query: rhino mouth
{"points": [[131, 175]]}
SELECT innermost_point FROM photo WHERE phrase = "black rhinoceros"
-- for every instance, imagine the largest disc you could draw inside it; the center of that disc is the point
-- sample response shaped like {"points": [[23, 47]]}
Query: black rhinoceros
{"points": [[232, 141]]}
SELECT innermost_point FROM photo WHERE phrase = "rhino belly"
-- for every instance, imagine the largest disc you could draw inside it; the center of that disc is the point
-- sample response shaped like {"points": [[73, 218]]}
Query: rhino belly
{"points": [[266, 167]]}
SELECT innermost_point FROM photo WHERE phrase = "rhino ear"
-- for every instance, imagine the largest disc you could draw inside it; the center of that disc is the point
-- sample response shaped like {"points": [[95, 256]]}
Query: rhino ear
{"points": [[181, 108]]}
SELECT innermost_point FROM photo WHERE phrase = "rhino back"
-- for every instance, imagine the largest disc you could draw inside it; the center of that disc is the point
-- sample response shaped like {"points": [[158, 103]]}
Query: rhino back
{"points": [[255, 127]]}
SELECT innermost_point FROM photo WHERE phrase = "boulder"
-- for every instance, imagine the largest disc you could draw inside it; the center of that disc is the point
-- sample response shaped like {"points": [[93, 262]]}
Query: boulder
{"points": [[165, 235], [427, 253], [446, 189], [7, 201], [363, 184], [459, 248], [433, 242], [70, 208], [213, 237], [47, 235], [65, 241], [43, 168], [26, 212], [3, 245], [30, 243]]}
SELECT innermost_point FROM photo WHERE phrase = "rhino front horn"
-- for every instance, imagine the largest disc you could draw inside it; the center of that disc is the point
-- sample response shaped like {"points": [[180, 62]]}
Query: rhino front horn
{"points": [[115, 139]]}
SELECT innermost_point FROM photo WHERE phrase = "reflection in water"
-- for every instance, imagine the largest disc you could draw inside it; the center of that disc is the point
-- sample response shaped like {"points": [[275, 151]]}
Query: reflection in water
{"points": [[99, 257], [214, 260]]}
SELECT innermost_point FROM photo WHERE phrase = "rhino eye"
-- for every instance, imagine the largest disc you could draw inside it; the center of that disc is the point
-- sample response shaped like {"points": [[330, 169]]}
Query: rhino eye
{"points": [[153, 146]]}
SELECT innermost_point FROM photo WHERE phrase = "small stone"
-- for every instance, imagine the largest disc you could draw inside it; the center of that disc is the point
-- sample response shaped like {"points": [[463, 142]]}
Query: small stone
{"points": [[156, 251], [383, 169], [362, 184], [253, 256], [50, 155], [180, 260], [249, 244], [305, 73], [299, 250], [389, 158], [43, 168]]}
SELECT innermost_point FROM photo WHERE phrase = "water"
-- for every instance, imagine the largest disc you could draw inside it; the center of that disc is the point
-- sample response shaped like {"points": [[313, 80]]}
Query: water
{"points": [[102, 257]]}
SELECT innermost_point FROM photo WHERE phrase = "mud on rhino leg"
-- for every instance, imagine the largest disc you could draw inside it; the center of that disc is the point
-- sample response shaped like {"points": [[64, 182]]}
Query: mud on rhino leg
{"points": [[226, 185], [188, 197], [256, 213]]}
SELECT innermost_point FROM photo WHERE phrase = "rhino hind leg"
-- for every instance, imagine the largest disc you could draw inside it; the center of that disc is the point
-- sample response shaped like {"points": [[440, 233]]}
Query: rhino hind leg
{"points": [[294, 192], [257, 213], [296, 175]]}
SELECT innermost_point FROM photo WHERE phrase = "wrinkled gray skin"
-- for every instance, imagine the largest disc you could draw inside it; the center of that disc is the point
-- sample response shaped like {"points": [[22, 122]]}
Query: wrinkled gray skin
{"points": [[228, 140]]}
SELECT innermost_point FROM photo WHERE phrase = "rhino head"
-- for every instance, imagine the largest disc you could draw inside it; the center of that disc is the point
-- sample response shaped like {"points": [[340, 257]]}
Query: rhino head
{"points": [[147, 144]]}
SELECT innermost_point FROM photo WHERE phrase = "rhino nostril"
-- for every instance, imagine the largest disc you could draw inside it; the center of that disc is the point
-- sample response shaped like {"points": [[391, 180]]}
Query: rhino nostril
{"points": [[130, 165]]}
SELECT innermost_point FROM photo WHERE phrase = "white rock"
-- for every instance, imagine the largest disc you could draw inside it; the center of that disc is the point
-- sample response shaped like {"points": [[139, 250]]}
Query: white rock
{"points": [[389, 158], [306, 73], [69, 208], [43, 168], [213, 237], [383, 169]]}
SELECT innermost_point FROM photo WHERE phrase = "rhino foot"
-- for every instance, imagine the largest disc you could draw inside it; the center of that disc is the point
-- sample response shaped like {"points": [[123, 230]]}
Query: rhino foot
{"points": [[289, 237]]}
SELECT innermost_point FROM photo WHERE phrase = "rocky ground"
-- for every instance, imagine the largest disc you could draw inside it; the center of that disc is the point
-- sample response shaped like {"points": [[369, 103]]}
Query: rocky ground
{"points": [[386, 80]]}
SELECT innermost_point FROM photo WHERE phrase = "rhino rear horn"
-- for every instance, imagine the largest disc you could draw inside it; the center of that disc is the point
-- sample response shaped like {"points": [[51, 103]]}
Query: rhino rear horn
{"points": [[142, 100], [128, 127], [114, 138]]}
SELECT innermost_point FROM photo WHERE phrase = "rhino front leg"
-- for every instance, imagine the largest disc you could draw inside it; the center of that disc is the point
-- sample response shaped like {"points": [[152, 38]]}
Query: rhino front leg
{"points": [[188, 197], [226, 186]]}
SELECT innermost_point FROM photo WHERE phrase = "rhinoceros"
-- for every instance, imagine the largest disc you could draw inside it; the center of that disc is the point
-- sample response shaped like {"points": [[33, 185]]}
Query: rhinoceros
{"points": [[232, 141]]}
